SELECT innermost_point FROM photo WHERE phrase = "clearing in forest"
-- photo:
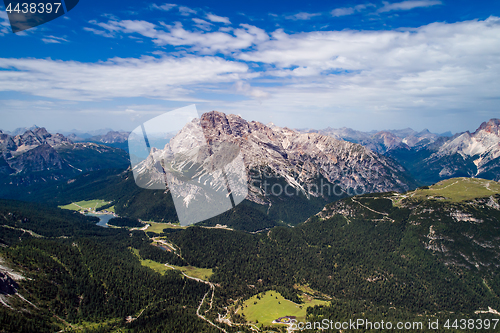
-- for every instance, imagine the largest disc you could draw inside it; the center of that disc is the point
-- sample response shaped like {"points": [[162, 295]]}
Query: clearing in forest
{"points": [[196, 272], [89, 205], [272, 305]]}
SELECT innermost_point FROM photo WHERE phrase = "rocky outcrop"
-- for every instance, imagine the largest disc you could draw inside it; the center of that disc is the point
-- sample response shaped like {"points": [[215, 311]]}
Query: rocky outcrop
{"points": [[7, 285], [35, 138]]}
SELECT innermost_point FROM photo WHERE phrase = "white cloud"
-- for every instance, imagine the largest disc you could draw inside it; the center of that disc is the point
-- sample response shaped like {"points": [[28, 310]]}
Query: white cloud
{"points": [[132, 26], [166, 78], [218, 19], [225, 41], [433, 70], [186, 11], [50, 41], [428, 47], [342, 11], [110, 16], [337, 12], [246, 89], [165, 7], [302, 16], [53, 40], [407, 5], [99, 32], [202, 24], [436, 69]]}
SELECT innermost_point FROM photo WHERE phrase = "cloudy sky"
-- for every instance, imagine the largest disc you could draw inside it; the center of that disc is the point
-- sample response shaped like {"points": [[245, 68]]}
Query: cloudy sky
{"points": [[363, 64]]}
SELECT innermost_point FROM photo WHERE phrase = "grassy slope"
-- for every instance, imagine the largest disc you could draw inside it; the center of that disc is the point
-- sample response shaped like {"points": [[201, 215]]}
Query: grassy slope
{"points": [[458, 189]]}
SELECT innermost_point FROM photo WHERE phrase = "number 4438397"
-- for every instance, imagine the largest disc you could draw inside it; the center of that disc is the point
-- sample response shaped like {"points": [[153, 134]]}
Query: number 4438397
{"points": [[40, 8], [470, 324]]}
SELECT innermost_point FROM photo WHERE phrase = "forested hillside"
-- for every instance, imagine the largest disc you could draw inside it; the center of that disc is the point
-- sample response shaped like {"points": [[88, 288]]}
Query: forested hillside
{"points": [[425, 254], [83, 277]]}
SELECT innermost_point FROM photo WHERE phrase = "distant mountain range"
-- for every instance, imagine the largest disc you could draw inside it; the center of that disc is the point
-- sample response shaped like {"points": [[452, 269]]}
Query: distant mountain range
{"points": [[382, 141], [431, 157], [37, 156], [110, 138], [462, 155]]}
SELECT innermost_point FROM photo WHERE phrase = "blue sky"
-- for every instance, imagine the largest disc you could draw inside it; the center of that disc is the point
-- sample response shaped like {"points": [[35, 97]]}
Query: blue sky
{"points": [[361, 64]]}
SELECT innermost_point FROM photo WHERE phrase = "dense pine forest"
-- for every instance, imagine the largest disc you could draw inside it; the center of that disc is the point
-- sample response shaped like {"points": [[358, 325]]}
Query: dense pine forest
{"points": [[372, 256], [76, 272]]}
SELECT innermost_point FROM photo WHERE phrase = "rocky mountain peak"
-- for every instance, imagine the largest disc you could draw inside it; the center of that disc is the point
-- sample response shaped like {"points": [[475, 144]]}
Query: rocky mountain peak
{"points": [[425, 131], [289, 156], [388, 137], [43, 157], [30, 139], [492, 126], [217, 122], [218, 126], [479, 151], [41, 132]]}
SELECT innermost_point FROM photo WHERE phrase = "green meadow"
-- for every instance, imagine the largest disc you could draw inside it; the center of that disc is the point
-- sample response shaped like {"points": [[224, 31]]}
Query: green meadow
{"points": [[196, 272], [88, 205], [157, 227], [272, 305], [459, 189]]}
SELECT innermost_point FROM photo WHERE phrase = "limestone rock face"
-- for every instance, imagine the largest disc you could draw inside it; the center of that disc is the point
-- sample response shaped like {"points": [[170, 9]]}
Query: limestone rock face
{"points": [[298, 159], [41, 158]]}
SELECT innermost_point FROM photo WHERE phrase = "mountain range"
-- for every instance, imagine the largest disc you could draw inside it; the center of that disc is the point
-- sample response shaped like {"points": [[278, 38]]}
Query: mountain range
{"points": [[116, 139], [431, 157], [462, 155], [37, 156], [382, 141], [316, 166], [307, 160], [285, 167]]}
